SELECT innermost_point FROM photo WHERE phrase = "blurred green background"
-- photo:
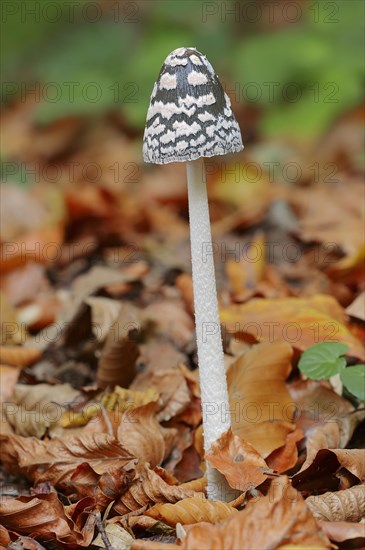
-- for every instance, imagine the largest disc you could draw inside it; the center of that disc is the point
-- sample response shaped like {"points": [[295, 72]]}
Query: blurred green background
{"points": [[299, 64]]}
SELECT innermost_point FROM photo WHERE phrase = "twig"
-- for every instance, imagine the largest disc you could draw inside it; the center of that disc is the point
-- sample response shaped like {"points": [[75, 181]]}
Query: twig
{"points": [[104, 536]]}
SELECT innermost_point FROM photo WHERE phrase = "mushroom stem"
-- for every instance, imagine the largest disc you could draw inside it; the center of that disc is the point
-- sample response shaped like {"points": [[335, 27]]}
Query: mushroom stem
{"points": [[213, 380]]}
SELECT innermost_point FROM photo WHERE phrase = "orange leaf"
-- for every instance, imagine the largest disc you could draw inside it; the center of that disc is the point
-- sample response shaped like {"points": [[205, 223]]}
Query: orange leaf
{"points": [[286, 457], [238, 461], [55, 460], [346, 505], [41, 246], [261, 407], [46, 516], [191, 510], [149, 487], [19, 356], [142, 435], [280, 518], [302, 322]]}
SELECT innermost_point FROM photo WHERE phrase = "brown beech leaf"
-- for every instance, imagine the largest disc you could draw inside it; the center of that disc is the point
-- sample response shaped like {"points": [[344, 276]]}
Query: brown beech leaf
{"points": [[278, 519], [262, 410], [328, 468], [191, 510], [118, 358], [171, 318], [141, 544], [346, 505], [242, 466], [172, 388], [285, 457], [148, 487], [342, 531], [327, 419], [46, 516], [35, 409], [22, 247], [118, 537], [8, 379], [104, 312], [19, 356], [302, 322], [110, 485], [140, 433], [55, 460]]}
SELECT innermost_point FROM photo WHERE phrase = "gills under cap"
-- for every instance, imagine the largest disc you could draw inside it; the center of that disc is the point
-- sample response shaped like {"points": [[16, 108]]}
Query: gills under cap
{"points": [[190, 115]]}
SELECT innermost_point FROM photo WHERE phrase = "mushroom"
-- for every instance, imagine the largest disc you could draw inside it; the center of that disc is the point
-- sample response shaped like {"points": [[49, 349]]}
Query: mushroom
{"points": [[189, 118]]}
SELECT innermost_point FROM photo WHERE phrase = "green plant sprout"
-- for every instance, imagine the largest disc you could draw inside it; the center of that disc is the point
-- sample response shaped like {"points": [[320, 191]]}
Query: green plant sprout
{"points": [[326, 359]]}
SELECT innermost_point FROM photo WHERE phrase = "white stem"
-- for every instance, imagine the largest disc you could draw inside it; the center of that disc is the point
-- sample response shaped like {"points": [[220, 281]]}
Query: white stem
{"points": [[213, 381]]}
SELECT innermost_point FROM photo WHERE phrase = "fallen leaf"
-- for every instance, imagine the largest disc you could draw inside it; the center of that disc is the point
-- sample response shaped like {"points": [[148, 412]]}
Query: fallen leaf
{"points": [[191, 510], [170, 318], [326, 469], [117, 361], [285, 457], [148, 487], [142, 435], [104, 313], [280, 518], [118, 537], [19, 356], [55, 460], [302, 322], [340, 223], [262, 410], [172, 388], [105, 487], [36, 409], [346, 505], [46, 516], [242, 466], [344, 531]]}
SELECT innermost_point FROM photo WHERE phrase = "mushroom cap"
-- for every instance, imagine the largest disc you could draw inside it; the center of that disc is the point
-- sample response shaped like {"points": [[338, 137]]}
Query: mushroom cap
{"points": [[190, 114]]}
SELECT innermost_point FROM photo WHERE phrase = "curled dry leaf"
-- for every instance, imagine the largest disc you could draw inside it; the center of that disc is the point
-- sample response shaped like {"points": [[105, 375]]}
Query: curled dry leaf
{"points": [[242, 466], [46, 516], [118, 358], [346, 505], [104, 312], [12, 332], [8, 379], [262, 410], [148, 487], [55, 460], [171, 318], [142, 435], [141, 544], [172, 387], [35, 409], [342, 531], [302, 322], [327, 419], [280, 518], [285, 457], [19, 356], [22, 248], [328, 467], [108, 486], [191, 510]]}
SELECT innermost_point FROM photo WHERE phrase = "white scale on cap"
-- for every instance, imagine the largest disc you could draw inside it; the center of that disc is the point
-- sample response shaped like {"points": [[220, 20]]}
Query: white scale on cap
{"points": [[190, 115]]}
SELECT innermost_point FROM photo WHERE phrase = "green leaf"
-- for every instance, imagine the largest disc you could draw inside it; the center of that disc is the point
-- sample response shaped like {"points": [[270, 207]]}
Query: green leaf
{"points": [[353, 378], [323, 360]]}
